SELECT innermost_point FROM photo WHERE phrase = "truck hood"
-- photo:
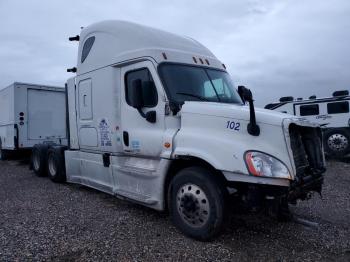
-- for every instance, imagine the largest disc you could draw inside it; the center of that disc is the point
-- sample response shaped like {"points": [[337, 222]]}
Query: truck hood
{"points": [[240, 112]]}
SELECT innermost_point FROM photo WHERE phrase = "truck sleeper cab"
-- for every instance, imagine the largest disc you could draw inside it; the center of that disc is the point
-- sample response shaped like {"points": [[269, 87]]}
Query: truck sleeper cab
{"points": [[154, 118]]}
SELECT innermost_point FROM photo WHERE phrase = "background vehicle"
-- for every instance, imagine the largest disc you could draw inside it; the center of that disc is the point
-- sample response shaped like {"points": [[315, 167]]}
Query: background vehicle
{"points": [[331, 113], [154, 118], [31, 114]]}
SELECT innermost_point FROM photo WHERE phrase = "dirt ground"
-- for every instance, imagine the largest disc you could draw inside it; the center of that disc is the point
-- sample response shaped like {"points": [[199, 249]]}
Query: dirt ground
{"points": [[41, 220]]}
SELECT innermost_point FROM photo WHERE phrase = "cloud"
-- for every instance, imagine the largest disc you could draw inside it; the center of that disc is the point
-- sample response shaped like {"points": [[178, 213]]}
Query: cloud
{"points": [[276, 48]]}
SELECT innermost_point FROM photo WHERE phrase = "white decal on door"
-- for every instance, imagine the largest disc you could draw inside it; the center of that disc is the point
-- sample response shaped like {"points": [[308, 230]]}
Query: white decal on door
{"points": [[105, 133]]}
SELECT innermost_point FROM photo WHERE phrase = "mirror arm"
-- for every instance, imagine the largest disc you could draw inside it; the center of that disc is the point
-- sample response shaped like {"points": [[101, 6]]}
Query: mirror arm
{"points": [[141, 112], [252, 127]]}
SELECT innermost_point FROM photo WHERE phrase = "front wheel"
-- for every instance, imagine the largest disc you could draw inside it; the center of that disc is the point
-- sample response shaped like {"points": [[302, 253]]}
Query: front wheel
{"points": [[337, 142], [197, 203]]}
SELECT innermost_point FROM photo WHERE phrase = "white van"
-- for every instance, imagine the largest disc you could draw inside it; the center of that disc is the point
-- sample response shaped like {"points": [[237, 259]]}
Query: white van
{"points": [[31, 114], [154, 118], [331, 113]]}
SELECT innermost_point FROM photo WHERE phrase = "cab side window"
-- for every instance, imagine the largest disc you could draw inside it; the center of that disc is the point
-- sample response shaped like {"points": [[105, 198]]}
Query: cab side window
{"points": [[149, 91]]}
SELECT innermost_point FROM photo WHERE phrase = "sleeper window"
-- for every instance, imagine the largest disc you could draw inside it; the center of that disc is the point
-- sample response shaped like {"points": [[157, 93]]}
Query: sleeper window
{"points": [[149, 91], [87, 47], [338, 107], [309, 110]]}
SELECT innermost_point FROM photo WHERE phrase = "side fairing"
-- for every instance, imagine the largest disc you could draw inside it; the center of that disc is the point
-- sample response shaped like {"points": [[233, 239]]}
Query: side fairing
{"points": [[72, 114]]}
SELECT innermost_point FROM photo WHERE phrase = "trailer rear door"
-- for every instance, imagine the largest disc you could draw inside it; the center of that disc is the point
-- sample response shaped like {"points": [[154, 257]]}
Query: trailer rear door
{"points": [[46, 114]]}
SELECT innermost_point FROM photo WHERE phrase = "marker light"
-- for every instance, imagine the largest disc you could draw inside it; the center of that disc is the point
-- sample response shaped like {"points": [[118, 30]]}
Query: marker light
{"points": [[264, 165]]}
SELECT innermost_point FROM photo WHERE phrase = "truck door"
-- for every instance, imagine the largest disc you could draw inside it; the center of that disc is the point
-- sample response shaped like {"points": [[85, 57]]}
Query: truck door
{"points": [[139, 136]]}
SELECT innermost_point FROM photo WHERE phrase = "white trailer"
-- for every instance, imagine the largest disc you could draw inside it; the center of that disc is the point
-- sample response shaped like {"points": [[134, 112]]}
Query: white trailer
{"points": [[31, 114], [154, 118], [331, 113]]}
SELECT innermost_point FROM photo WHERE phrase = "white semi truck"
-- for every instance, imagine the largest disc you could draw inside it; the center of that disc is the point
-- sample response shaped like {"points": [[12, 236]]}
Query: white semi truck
{"points": [[154, 118], [31, 114]]}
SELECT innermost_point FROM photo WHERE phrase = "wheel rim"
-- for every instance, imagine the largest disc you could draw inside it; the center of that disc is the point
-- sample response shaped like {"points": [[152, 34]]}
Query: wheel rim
{"points": [[36, 161], [338, 142], [192, 205], [52, 166]]}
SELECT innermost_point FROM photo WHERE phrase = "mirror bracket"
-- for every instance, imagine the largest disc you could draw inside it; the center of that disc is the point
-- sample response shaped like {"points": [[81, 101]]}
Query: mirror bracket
{"points": [[150, 116]]}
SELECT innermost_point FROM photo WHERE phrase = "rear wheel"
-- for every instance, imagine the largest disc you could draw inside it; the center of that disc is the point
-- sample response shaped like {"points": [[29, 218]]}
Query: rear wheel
{"points": [[39, 159], [337, 142], [55, 164], [197, 203]]}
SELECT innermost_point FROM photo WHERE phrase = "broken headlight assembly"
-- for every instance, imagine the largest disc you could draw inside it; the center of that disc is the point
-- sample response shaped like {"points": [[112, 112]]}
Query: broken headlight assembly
{"points": [[264, 165]]}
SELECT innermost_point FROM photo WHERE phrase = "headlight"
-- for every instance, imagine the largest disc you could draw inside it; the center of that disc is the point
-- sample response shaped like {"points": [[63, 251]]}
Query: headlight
{"points": [[261, 164]]}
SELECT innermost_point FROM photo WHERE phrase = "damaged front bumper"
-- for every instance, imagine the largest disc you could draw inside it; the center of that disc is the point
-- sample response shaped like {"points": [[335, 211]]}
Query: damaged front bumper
{"points": [[309, 162], [303, 187]]}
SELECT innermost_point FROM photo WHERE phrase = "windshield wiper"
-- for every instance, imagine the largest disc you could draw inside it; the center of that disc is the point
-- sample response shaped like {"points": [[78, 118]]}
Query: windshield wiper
{"points": [[192, 95]]}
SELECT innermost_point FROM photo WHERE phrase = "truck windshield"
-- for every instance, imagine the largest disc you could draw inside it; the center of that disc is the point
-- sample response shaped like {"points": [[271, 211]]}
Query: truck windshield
{"points": [[190, 83]]}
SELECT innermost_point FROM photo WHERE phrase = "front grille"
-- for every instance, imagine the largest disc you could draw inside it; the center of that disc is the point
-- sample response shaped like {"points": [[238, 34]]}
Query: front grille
{"points": [[306, 144]]}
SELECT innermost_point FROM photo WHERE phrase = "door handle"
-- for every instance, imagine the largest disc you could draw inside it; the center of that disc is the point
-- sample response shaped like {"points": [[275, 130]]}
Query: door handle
{"points": [[126, 138], [84, 100]]}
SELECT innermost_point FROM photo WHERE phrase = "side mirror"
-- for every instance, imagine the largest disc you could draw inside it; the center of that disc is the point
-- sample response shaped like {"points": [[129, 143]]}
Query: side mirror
{"points": [[137, 100], [245, 93], [135, 95]]}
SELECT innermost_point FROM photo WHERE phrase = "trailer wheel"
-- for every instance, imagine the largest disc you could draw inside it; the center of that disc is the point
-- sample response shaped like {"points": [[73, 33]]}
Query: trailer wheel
{"points": [[39, 159], [56, 165], [3, 153], [337, 142], [197, 203]]}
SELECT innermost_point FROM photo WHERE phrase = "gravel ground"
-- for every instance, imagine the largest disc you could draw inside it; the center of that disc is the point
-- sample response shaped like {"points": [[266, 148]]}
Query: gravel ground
{"points": [[40, 220]]}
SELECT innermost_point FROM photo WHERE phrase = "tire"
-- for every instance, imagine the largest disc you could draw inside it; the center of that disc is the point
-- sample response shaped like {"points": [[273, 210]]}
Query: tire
{"points": [[197, 203], [337, 142], [3, 153], [56, 165], [39, 159]]}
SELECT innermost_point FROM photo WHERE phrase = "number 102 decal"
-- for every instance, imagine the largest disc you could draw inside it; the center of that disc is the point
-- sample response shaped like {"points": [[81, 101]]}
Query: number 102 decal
{"points": [[233, 125]]}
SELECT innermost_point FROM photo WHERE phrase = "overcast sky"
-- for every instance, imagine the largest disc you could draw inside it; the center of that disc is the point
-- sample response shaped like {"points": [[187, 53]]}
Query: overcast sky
{"points": [[276, 48]]}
